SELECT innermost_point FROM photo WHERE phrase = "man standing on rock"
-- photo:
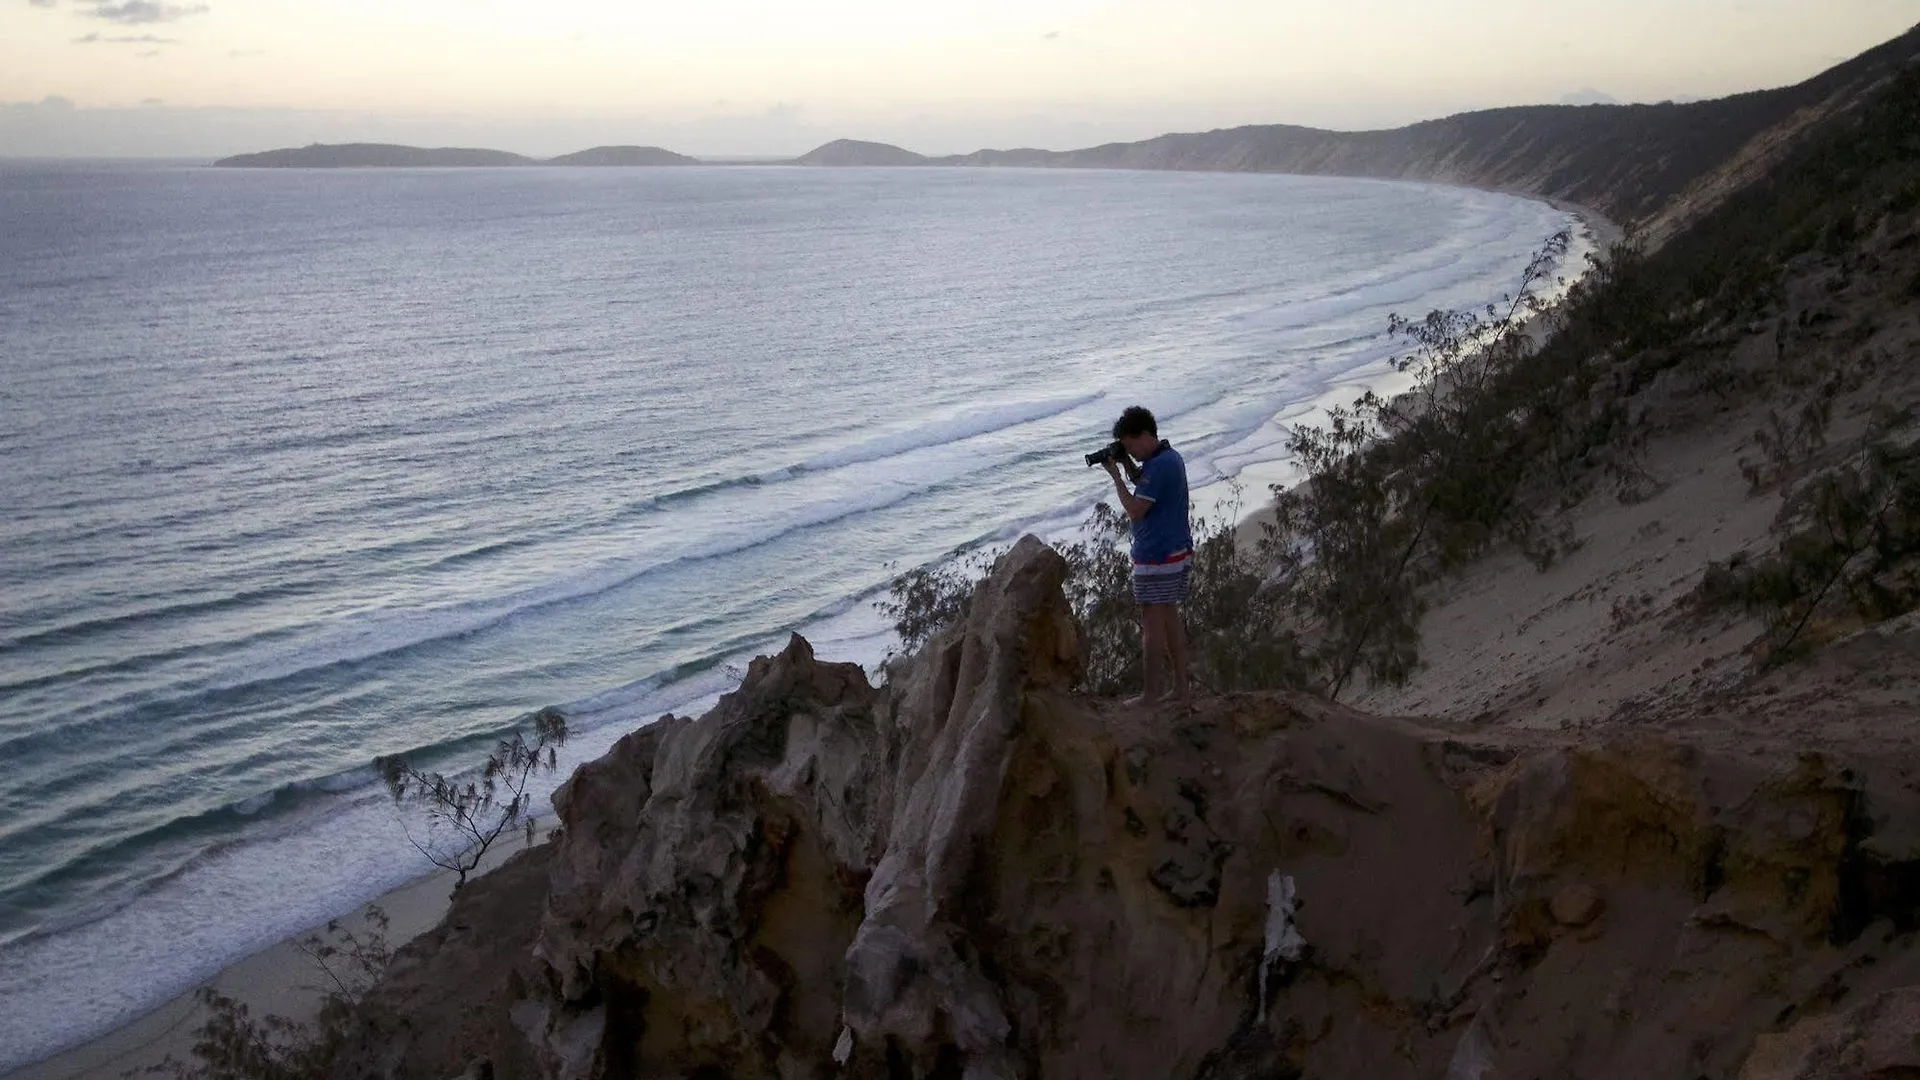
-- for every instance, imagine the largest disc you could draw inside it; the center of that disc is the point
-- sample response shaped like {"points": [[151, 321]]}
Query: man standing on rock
{"points": [[1162, 548]]}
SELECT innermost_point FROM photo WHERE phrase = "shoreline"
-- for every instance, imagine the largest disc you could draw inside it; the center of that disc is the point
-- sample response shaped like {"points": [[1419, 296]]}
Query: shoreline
{"points": [[1249, 528], [1605, 231], [279, 979], [274, 979]]}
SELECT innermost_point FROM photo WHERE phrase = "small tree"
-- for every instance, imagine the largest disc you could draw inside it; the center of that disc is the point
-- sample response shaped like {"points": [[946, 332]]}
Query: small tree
{"points": [[928, 599], [1343, 543], [1848, 549], [1397, 488], [1240, 632], [234, 1044], [1099, 589], [471, 814]]}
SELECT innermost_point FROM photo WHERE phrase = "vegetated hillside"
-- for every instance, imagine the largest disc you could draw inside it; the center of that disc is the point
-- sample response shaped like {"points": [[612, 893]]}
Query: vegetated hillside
{"points": [[370, 155], [623, 156], [855, 152], [1765, 361], [1627, 161]]}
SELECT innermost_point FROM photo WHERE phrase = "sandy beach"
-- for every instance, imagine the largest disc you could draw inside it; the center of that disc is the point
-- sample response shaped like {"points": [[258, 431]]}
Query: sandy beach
{"points": [[281, 980]]}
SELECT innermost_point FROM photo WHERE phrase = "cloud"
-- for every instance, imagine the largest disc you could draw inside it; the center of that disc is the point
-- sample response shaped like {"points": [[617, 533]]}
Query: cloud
{"points": [[153, 101], [1051, 35], [1589, 97], [43, 3], [242, 54], [142, 12], [125, 39]]}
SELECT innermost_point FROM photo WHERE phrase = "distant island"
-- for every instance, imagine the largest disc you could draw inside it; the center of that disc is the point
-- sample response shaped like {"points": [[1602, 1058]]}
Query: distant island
{"points": [[391, 156], [623, 156], [372, 156], [854, 152], [1651, 166]]}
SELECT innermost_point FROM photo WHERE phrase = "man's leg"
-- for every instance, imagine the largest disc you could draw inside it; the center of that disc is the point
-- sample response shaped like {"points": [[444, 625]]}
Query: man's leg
{"points": [[1174, 632], [1153, 653]]}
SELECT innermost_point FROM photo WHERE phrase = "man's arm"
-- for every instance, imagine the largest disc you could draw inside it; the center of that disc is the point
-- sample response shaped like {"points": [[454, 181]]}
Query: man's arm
{"points": [[1135, 506]]}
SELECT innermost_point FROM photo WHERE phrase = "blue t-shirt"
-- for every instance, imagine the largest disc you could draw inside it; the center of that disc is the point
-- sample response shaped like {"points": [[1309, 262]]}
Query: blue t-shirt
{"points": [[1162, 533]]}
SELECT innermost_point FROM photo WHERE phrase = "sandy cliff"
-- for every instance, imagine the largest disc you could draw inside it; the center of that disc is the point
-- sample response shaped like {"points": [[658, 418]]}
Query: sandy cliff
{"points": [[971, 871]]}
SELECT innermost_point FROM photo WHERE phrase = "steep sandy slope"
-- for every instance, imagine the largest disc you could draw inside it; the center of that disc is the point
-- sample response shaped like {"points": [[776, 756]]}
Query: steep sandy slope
{"points": [[1607, 636]]}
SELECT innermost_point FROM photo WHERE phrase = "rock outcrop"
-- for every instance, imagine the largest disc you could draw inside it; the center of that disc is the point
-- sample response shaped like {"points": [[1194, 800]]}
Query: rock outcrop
{"points": [[1878, 1039], [972, 871]]}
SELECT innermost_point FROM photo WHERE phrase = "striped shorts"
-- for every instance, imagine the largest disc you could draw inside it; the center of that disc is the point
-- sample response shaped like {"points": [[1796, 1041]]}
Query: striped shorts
{"points": [[1160, 584]]}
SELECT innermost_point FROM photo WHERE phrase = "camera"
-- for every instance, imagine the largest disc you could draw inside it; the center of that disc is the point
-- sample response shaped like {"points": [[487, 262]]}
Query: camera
{"points": [[1113, 451]]}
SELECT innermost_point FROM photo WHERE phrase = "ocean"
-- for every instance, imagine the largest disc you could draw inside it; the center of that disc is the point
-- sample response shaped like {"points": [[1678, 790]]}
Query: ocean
{"points": [[301, 468]]}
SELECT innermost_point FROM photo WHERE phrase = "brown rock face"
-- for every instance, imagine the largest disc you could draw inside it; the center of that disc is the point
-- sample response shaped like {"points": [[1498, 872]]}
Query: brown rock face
{"points": [[1879, 1039], [444, 996], [1577, 905], [973, 872]]}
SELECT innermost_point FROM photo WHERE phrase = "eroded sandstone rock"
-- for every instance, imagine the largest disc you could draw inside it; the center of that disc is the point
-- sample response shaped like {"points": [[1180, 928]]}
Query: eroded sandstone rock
{"points": [[973, 871], [1577, 905], [1879, 1039]]}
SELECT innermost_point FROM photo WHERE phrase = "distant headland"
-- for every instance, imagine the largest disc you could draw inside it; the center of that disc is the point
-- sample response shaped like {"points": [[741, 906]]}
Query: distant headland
{"points": [[391, 156], [1654, 166]]}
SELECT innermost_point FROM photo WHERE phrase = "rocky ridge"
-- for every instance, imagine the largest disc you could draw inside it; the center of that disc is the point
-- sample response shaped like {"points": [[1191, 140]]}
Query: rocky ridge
{"points": [[972, 871]]}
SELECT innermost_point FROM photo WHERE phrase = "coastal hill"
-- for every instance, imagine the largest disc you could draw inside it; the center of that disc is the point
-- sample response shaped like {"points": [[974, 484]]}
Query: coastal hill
{"points": [[371, 155], [845, 152], [1627, 161], [627, 156]]}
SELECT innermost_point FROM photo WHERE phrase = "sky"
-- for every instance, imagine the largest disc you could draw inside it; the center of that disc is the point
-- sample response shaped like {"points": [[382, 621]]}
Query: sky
{"points": [[774, 77]]}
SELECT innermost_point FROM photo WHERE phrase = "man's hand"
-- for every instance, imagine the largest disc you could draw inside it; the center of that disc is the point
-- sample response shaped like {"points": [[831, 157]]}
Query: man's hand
{"points": [[1135, 507]]}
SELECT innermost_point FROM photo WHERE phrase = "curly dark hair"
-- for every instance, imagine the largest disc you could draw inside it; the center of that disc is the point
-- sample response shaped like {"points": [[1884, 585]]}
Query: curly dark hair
{"points": [[1135, 421]]}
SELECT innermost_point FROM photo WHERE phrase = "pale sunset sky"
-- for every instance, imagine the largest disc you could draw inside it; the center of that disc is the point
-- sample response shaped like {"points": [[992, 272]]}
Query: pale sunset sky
{"points": [[203, 77]]}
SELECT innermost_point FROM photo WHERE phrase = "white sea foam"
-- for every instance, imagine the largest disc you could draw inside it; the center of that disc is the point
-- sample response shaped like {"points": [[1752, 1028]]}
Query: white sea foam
{"points": [[942, 431], [70, 985]]}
